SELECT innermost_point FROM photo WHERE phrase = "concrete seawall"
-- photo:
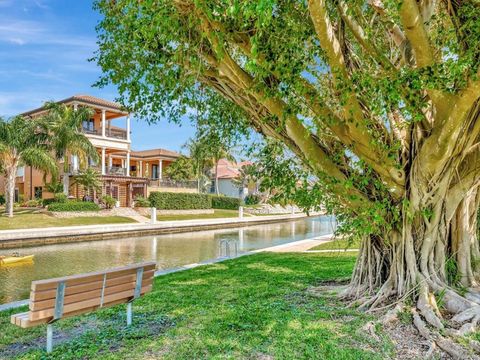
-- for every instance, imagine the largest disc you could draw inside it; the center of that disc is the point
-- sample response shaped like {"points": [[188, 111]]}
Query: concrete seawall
{"points": [[68, 234]]}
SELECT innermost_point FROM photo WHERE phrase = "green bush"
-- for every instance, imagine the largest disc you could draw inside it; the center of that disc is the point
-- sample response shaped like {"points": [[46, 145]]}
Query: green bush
{"points": [[32, 203], [2, 199], [60, 198], [73, 206], [57, 198], [179, 201], [225, 202], [140, 201], [109, 201], [252, 199]]}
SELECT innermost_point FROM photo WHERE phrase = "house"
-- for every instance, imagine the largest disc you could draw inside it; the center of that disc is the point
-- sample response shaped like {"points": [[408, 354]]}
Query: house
{"points": [[124, 173], [228, 175]]}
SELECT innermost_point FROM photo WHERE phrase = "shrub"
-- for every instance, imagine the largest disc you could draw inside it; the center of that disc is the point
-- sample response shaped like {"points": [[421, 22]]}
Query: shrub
{"points": [[179, 201], [57, 198], [252, 199], [60, 198], [109, 201], [225, 202], [140, 201], [32, 203], [2, 199], [73, 206]]}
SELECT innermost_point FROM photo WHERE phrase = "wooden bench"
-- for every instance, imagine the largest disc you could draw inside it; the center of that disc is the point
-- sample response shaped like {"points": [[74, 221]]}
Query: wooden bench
{"points": [[55, 299]]}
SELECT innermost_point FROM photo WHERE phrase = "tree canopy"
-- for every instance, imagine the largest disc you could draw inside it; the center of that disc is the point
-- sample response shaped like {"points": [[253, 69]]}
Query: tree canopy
{"points": [[377, 100]]}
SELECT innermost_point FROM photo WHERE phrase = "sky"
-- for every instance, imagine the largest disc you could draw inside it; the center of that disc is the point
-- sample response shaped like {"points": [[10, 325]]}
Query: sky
{"points": [[44, 50]]}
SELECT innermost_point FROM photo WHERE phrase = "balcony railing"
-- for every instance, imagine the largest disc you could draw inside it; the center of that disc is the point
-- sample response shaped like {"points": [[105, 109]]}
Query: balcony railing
{"points": [[173, 184], [111, 133], [116, 170]]}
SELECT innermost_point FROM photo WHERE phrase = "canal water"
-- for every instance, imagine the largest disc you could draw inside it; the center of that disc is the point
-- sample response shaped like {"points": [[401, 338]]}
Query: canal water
{"points": [[169, 251]]}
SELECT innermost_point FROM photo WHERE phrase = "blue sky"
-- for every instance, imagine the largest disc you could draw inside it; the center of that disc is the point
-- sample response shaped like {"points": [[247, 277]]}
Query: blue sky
{"points": [[44, 47]]}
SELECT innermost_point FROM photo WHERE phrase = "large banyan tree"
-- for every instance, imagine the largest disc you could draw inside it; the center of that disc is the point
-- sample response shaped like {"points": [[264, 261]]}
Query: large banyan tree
{"points": [[378, 99]]}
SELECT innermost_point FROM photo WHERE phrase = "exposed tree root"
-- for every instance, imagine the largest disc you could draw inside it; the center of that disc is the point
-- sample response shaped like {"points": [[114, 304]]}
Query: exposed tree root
{"points": [[450, 347]]}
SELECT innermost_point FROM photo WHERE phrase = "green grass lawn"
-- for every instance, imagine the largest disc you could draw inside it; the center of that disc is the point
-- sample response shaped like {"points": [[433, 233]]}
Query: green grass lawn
{"points": [[253, 307], [339, 244], [216, 215], [28, 218]]}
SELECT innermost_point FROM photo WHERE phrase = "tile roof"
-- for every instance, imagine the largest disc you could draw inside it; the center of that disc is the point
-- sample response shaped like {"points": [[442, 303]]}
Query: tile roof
{"points": [[83, 99], [155, 152], [230, 170]]}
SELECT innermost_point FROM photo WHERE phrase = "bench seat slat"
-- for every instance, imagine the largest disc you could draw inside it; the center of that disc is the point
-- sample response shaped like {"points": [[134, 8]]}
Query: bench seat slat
{"points": [[42, 285], [125, 295], [93, 294], [75, 289]]}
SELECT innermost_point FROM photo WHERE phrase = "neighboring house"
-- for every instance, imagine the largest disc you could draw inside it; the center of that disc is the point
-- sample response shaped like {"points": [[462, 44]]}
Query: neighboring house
{"points": [[228, 173], [125, 173]]}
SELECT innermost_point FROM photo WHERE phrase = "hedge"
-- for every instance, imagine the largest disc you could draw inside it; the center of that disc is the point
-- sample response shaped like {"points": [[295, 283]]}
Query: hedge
{"points": [[179, 201], [225, 202], [74, 206]]}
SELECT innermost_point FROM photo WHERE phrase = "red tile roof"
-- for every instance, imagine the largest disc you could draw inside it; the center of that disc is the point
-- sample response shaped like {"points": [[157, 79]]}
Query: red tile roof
{"points": [[154, 153], [83, 99], [230, 170]]}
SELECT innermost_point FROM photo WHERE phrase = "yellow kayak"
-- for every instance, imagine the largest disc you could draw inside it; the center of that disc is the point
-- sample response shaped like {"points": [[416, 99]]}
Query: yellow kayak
{"points": [[7, 260]]}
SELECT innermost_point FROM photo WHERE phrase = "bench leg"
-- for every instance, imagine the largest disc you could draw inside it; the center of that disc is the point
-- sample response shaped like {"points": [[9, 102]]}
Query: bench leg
{"points": [[129, 314], [49, 338]]}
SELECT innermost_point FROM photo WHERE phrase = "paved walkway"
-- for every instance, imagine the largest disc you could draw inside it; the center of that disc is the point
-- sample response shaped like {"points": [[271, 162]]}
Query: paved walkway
{"points": [[299, 246], [131, 213]]}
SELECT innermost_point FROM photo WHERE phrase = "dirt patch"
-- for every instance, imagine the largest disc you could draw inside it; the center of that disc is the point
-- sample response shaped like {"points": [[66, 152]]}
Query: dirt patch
{"points": [[409, 344], [90, 328]]}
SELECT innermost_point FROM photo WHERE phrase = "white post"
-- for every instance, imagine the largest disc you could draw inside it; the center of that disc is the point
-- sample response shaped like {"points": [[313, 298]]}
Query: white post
{"points": [[128, 127], [129, 314], [240, 212], [160, 169], [140, 169], [128, 163], [104, 120], [110, 161], [49, 338], [153, 215], [103, 161]]}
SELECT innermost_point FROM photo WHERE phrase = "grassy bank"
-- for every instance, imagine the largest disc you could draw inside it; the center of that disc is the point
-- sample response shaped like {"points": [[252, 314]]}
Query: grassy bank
{"points": [[216, 215], [338, 244], [254, 307], [27, 219]]}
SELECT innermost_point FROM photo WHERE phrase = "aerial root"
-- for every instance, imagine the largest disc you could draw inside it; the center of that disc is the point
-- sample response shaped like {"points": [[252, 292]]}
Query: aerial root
{"points": [[428, 308], [453, 349]]}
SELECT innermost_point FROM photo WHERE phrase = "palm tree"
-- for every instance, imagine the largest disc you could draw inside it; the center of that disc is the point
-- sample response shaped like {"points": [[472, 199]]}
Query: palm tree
{"points": [[90, 180], [65, 125], [23, 142], [206, 150]]}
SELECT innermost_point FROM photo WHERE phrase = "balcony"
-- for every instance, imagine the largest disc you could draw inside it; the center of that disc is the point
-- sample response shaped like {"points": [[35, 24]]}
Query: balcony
{"points": [[168, 183], [116, 170], [109, 133]]}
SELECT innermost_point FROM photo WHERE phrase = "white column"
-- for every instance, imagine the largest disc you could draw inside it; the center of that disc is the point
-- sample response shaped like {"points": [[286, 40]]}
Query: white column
{"points": [[140, 174], [128, 127], [160, 169], [110, 161], [75, 107], [104, 121], [103, 161], [128, 163]]}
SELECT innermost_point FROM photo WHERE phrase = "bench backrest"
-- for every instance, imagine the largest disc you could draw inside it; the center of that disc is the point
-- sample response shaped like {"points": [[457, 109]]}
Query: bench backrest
{"points": [[53, 299]]}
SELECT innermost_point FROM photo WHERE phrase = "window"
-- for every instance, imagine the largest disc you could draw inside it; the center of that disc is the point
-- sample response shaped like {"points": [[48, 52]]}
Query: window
{"points": [[154, 171], [89, 124], [38, 190]]}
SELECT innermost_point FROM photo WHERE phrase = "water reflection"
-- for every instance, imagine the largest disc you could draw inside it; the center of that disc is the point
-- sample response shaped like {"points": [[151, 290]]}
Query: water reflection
{"points": [[169, 251]]}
